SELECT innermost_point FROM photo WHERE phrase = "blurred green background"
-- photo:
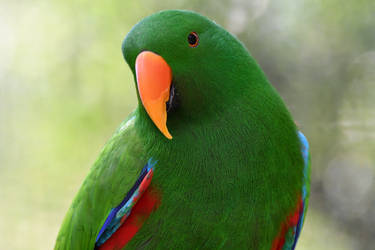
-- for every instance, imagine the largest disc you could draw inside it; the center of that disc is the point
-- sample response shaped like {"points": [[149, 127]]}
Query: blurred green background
{"points": [[64, 88]]}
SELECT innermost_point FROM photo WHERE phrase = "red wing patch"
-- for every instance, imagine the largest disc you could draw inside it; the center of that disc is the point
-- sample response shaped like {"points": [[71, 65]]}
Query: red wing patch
{"points": [[290, 224], [124, 221], [147, 203]]}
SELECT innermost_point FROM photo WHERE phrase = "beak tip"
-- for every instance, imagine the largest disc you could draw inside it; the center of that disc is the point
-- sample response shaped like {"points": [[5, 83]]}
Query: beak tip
{"points": [[167, 134]]}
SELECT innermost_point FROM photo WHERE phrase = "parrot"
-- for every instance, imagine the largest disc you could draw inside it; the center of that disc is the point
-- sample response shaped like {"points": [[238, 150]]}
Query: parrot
{"points": [[209, 159]]}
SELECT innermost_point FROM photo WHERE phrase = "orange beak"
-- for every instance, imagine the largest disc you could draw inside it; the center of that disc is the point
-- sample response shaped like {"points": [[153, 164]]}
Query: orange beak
{"points": [[154, 78]]}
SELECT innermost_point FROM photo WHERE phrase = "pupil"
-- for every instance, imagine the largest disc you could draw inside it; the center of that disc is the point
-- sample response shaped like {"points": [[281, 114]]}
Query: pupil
{"points": [[192, 39]]}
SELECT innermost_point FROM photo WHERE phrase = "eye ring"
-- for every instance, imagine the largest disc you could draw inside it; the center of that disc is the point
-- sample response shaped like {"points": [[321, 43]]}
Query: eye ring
{"points": [[193, 39]]}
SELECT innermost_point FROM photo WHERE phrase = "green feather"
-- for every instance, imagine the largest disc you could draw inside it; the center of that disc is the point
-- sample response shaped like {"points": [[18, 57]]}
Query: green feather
{"points": [[232, 172]]}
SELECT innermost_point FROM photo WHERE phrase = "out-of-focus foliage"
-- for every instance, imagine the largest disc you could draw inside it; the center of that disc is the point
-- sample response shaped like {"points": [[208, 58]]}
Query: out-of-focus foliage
{"points": [[64, 88]]}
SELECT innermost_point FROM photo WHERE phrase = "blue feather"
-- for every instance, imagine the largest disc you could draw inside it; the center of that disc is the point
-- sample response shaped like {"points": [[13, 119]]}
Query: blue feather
{"points": [[305, 155], [113, 221]]}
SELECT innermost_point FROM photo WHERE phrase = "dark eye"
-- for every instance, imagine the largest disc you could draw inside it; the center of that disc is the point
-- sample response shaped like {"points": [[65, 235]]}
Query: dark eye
{"points": [[193, 39]]}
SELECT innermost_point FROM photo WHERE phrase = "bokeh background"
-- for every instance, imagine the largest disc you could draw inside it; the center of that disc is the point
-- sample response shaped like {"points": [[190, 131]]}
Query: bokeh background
{"points": [[64, 88]]}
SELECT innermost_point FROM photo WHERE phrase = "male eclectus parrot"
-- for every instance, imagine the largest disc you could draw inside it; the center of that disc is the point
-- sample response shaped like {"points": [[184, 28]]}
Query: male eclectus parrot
{"points": [[228, 169]]}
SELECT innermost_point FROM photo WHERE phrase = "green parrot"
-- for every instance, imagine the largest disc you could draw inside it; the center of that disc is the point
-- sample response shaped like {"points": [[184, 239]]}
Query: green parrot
{"points": [[210, 158]]}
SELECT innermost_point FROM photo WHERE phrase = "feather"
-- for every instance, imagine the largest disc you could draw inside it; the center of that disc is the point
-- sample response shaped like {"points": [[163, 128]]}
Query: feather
{"points": [[291, 229], [119, 214]]}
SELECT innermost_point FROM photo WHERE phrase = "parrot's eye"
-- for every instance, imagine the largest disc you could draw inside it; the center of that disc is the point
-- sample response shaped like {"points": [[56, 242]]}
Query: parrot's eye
{"points": [[193, 39]]}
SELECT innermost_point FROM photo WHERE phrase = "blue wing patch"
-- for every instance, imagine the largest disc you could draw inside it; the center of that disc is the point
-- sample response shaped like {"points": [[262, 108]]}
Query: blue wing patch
{"points": [[306, 169], [118, 214]]}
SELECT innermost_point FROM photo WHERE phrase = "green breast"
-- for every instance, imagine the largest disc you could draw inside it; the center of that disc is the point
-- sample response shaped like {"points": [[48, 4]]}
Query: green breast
{"points": [[226, 181]]}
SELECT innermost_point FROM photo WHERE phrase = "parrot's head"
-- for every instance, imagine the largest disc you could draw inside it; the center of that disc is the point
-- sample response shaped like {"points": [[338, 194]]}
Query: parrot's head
{"points": [[186, 67]]}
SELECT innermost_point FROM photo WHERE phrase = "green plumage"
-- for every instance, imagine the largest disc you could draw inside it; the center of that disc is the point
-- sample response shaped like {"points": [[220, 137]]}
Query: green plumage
{"points": [[233, 171]]}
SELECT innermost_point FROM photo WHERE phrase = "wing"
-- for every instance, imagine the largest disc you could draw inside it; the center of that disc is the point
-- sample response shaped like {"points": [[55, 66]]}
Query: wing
{"points": [[290, 231], [118, 172], [305, 189], [125, 220]]}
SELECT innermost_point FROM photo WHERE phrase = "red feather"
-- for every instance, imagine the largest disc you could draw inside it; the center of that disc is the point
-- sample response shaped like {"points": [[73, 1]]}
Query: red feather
{"points": [[147, 203], [291, 221]]}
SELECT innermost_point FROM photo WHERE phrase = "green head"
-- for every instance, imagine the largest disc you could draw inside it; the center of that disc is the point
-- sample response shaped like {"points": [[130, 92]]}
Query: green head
{"points": [[205, 68]]}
